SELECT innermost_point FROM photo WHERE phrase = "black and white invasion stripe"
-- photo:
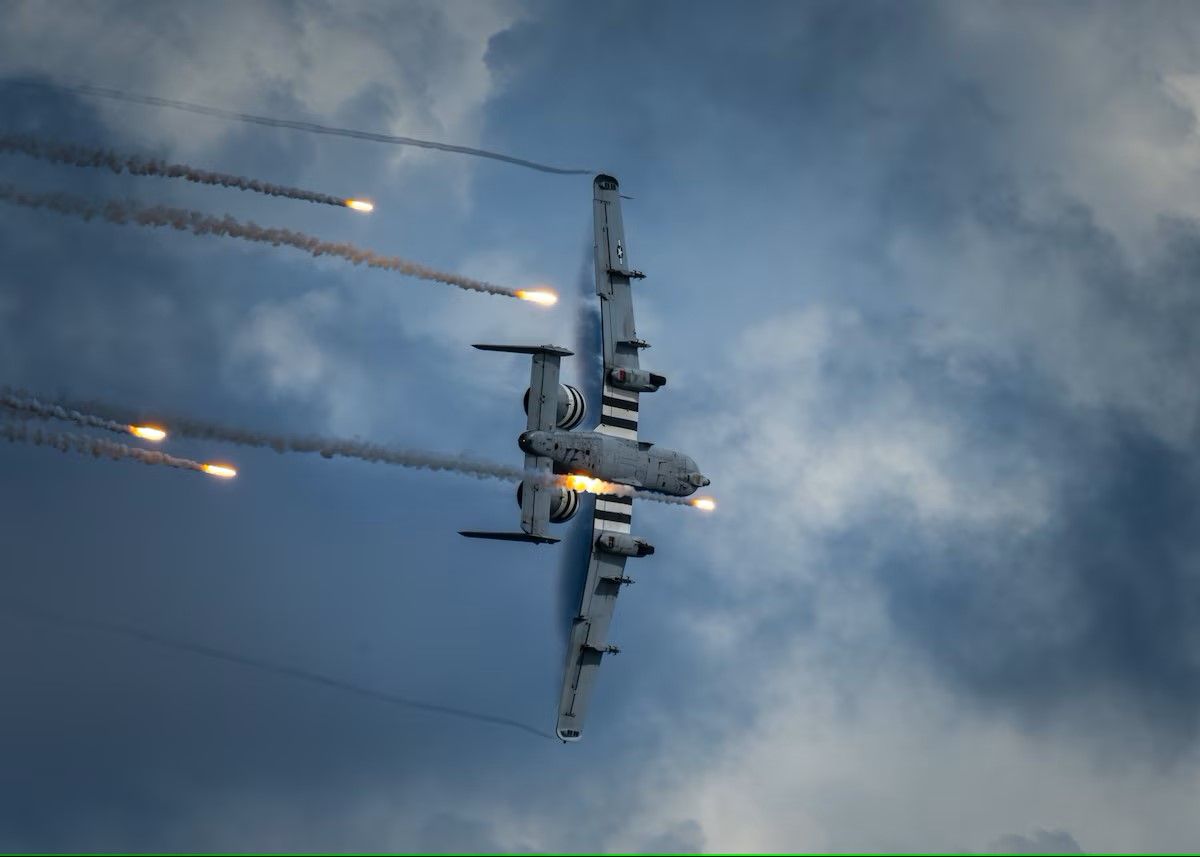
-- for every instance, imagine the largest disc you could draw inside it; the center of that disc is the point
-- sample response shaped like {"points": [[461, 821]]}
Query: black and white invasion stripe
{"points": [[618, 413], [613, 513]]}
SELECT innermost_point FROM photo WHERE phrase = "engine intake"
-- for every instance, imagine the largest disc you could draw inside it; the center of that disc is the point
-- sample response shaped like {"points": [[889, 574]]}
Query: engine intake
{"points": [[572, 407], [562, 508]]}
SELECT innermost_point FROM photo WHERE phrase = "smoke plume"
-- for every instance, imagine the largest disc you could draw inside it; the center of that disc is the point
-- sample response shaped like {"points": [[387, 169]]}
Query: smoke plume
{"points": [[35, 407], [312, 127], [84, 156], [329, 447], [95, 446], [295, 673], [126, 212]]}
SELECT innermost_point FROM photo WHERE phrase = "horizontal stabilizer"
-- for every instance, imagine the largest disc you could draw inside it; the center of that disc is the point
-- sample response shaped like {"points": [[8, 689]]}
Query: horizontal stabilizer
{"points": [[508, 537], [527, 349]]}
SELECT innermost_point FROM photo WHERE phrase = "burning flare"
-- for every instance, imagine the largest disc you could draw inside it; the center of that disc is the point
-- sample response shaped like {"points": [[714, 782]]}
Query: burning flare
{"points": [[590, 485], [362, 205], [147, 433], [705, 503], [545, 297], [219, 470]]}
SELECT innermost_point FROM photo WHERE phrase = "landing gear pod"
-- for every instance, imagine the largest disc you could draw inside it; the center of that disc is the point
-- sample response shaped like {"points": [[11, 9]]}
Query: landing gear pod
{"points": [[624, 545], [636, 380]]}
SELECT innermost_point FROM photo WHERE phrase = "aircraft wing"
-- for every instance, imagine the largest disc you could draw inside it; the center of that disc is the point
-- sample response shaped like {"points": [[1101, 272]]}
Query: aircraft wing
{"points": [[619, 408], [589, 629]]}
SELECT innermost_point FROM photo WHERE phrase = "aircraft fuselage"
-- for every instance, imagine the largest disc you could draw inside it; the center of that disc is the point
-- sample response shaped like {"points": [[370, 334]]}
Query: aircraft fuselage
{"points": [[615, 459]]}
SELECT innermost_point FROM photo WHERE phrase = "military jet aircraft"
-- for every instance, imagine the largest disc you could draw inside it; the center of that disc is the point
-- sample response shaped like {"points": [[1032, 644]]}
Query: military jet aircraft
{"points": [[555, 454]]}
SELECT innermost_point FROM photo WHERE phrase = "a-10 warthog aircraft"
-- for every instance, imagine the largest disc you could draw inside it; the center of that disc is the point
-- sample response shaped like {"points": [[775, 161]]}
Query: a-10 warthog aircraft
{"points": [[556, 455]]}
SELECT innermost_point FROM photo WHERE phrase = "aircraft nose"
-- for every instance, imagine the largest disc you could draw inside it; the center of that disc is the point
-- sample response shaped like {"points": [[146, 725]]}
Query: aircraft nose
{"points": [[525, 441], [704, 480]]}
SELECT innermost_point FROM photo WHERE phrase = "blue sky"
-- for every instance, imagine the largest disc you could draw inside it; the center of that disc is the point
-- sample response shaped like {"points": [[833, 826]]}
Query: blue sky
{"points": [[922, 278]]}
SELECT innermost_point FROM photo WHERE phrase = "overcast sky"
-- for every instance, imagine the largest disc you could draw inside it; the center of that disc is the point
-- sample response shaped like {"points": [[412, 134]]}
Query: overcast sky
{"points": [[923, 279]]}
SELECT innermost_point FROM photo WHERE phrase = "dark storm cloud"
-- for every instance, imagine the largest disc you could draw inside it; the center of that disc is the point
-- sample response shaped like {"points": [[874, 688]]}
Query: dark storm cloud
{"points": [[1041, 842], [154, 736], [1101, 604], [820, 110], [242, 660], [871, 113], [1101, 601]]}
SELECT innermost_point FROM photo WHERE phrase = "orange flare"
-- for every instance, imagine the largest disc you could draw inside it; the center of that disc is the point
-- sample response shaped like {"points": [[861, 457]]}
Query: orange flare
{"points": [[220, 470], [147, 432], [362, 205], [705, 503], [545, 297], [590, 485]]}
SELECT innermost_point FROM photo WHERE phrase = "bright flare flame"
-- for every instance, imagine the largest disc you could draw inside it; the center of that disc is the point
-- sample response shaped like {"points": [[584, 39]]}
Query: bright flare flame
{"points": [[219, 470], [545, 297], [705, 503], [360, 205], [147, 433], [587, 484]]}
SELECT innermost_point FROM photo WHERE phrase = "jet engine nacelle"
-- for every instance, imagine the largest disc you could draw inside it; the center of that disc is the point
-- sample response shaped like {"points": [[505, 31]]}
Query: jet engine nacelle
{"points": [[562, 508], [624, 545], [572, 407], [636, 380]]}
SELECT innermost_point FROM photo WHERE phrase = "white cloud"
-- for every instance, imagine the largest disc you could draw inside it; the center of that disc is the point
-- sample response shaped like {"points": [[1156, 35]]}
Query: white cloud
{"points": [[831, 433], [280, 348], [898, 764], [424, 68]]}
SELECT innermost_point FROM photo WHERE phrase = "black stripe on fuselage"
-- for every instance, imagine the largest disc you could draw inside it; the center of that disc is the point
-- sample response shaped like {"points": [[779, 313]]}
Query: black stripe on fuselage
{"points": [[615, 498], [624, 404], [618, 517], [618, 422]]}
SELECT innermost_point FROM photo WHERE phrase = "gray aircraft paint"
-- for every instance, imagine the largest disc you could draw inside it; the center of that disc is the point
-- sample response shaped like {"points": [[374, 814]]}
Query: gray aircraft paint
{"points": [[611, 452]]}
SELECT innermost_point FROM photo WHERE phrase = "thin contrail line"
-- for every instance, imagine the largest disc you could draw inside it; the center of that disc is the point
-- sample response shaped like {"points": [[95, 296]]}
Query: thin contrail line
{"points": [[311, 127], [297, 673]]}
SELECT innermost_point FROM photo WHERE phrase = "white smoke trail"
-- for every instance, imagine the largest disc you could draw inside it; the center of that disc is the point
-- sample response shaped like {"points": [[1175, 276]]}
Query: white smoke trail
{"points": [[312, 127], [328, 447], [85, 156], [198, 223], [415, 459], [94, 446], [35, 407]]}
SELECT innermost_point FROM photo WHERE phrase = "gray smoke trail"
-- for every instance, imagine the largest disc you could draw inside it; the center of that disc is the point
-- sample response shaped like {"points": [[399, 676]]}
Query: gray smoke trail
{"points": [[198, 223], [94, 446], [312, 127], [343, 448], [13, 401], [329, 447], [85, 156], [214, 653], [363, 451]]}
